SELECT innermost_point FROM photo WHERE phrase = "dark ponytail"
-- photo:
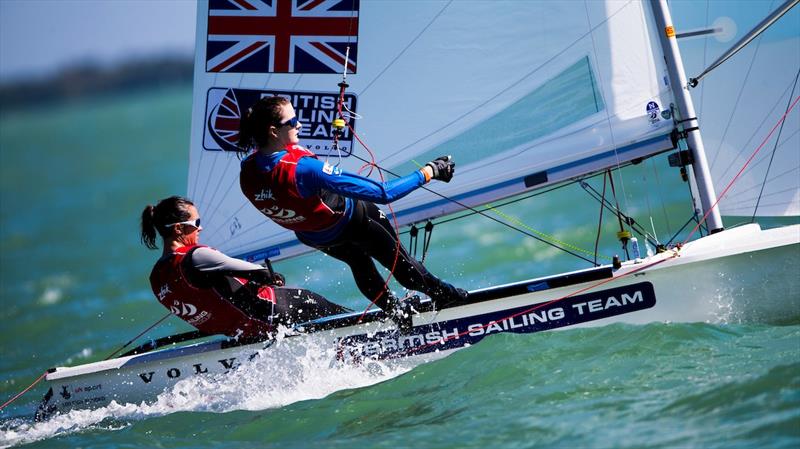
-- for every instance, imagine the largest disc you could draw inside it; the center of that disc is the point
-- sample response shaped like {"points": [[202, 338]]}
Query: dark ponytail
{"points": [[169, 210], [256, 120]]}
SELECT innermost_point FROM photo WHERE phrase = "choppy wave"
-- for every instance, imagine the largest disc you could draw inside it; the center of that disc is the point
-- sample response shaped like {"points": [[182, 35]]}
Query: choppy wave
{"points": [[304, 373]]}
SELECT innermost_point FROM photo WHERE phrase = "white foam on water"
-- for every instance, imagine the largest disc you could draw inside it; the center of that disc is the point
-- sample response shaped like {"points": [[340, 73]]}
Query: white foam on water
{"points": [[285, 373]]}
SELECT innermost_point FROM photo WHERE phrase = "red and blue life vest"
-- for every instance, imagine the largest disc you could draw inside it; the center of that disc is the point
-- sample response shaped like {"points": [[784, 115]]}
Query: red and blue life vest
{"points": [[274, 192], [203, 308]]}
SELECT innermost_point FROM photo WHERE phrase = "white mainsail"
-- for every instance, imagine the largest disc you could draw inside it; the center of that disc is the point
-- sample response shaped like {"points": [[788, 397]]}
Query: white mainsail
{"points": [[519, 101]]}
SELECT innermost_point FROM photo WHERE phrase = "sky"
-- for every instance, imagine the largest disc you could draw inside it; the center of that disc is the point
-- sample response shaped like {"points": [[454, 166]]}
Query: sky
{"points": [[38, 37]]}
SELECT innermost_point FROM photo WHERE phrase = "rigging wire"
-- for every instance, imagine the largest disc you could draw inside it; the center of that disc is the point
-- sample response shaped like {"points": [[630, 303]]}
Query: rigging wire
{"points": [[474, 210], [774, 150], [140, 334], [736, 103], [607, 204], [516, 82], [705, 61], [775, 106], [661, 195], [623, 235], [342, 86], [409, 45], [600, 223]]}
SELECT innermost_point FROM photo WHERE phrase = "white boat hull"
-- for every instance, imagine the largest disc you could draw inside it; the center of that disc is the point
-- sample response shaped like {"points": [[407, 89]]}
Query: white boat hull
{"points": [[739, 275]]}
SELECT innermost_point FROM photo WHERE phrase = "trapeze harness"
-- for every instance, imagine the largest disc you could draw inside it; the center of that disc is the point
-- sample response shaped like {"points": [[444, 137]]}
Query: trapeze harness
{"points": [[204, 308]]}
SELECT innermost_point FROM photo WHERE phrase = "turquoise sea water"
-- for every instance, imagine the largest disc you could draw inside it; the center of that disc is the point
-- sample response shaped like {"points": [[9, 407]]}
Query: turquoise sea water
{"points": [[73, 283]]}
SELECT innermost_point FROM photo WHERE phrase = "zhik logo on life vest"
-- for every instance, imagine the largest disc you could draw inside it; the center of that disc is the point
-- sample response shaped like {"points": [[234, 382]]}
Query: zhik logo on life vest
{"points": [[162, 293], [264, 195]]}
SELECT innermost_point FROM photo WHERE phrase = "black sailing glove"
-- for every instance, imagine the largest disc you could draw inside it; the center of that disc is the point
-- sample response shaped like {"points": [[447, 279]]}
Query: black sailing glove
{"points": [[278, 279], [443, 168]]}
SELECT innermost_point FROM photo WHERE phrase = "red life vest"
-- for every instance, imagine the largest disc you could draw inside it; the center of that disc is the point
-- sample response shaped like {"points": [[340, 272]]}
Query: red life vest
{"points": [[274, 193], [203, 308]]}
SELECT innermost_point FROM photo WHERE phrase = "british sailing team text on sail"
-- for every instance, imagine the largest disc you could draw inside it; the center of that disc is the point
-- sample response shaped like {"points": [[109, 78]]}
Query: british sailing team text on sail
{"points": [[317, 111]]}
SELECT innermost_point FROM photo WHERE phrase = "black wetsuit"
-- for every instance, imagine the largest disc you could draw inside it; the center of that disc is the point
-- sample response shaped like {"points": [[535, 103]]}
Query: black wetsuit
{"points": [[208, 268], [370, 234]]}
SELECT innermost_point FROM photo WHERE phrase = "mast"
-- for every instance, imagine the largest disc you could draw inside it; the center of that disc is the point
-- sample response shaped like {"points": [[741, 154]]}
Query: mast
{"points": [[683, 100]]}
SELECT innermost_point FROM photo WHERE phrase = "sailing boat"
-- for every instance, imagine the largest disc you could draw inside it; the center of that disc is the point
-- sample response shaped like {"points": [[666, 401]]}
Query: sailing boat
{"points": [[523, 103]]}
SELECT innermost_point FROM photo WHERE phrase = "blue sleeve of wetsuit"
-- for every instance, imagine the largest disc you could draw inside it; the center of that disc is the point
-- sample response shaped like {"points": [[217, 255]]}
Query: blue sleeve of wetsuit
{"points": [[314, 175]]}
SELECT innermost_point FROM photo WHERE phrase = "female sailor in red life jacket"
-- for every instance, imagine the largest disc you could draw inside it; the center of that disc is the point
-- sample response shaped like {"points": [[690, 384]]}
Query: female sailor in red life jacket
{"points": [[215, 293], [333, 210]]}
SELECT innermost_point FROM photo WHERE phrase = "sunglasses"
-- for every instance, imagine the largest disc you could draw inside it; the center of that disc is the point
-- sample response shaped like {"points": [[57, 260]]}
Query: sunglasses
{"points": [[195, 223], [291, 122]]}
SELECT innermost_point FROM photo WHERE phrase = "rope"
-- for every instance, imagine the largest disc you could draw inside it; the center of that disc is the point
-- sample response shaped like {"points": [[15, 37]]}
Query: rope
{"points": [[39, 379], [547, 236], [371, 162]]}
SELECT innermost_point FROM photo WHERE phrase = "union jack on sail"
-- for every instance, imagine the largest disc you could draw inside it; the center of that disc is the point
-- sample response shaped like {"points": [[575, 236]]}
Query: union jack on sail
{"points": [[282, 36]]}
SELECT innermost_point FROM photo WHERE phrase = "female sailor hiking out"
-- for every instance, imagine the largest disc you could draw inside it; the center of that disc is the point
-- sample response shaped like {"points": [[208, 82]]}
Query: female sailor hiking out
{"points": [[332, 210], [213, 292]]}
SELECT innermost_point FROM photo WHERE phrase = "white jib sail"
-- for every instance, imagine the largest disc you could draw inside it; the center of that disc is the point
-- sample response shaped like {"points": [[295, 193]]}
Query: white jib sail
{"points": [[522, 94], [739, 103]]}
